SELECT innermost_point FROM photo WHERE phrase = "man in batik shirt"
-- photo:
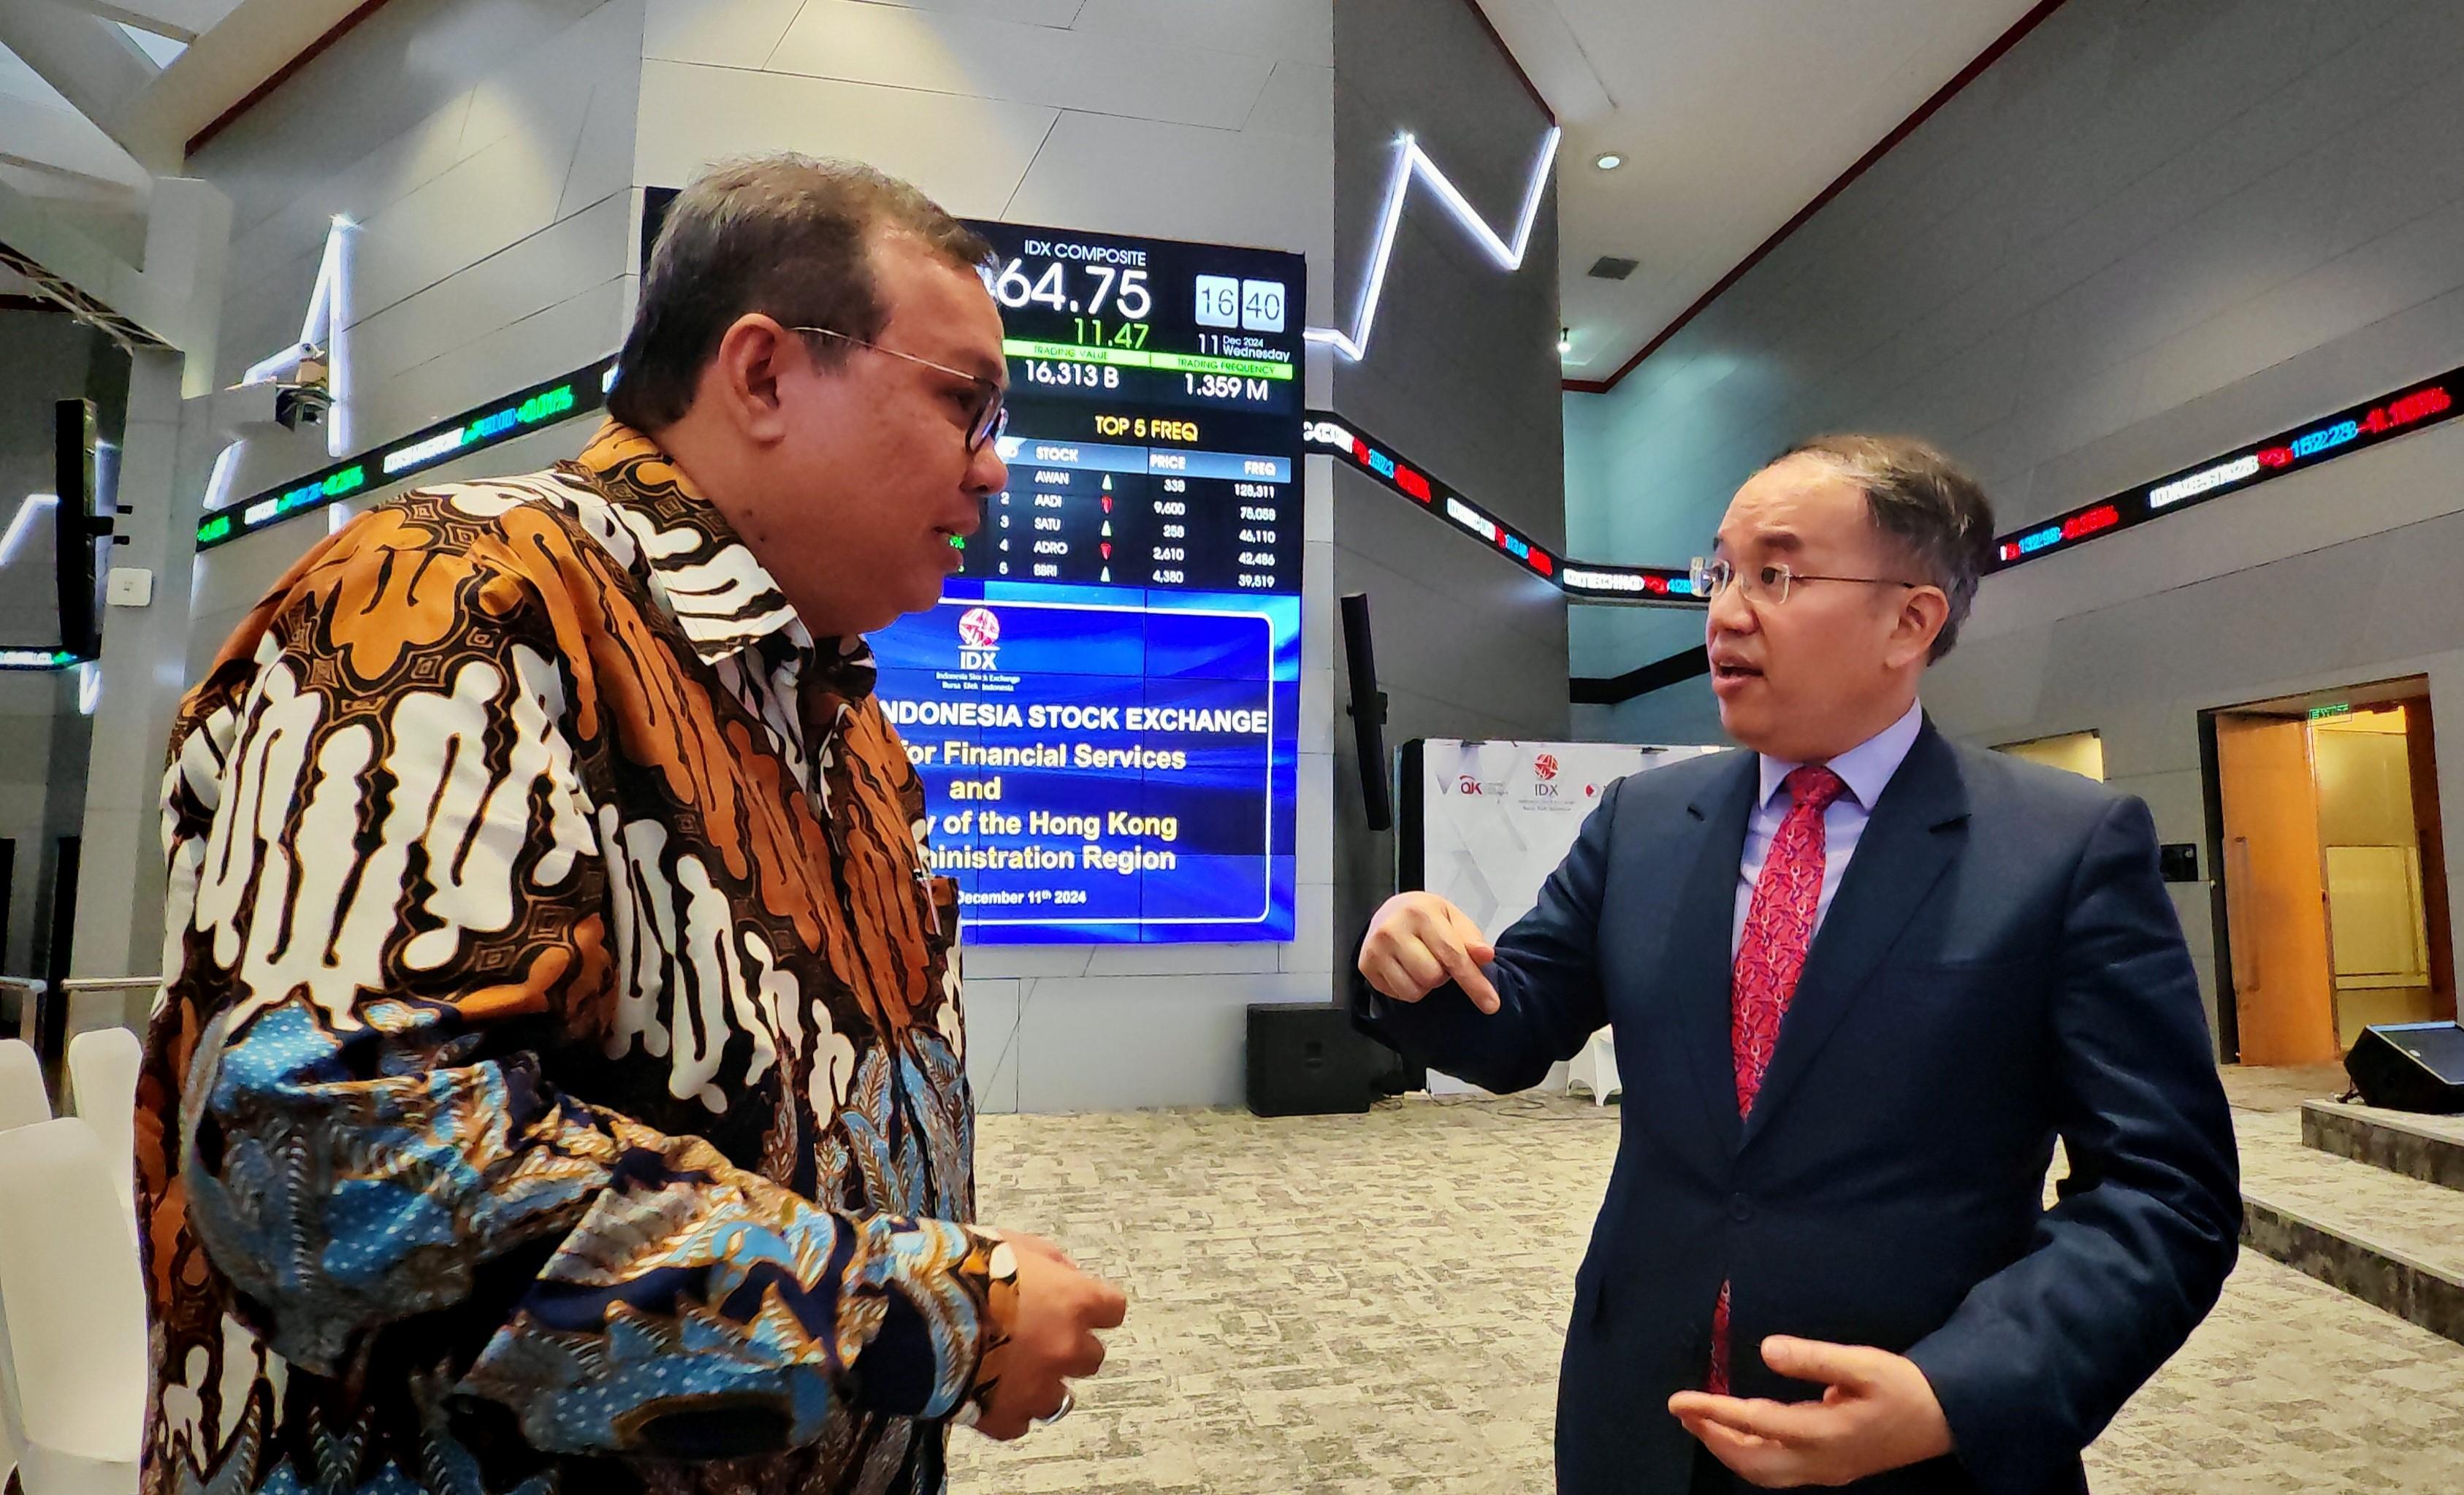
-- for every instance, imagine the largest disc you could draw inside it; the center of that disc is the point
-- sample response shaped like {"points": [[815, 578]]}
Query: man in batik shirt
{"points": [[559, 1082]]}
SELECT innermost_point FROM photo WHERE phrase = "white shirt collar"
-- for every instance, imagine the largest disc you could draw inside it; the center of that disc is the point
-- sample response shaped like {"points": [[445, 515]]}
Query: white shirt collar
{"points": [[1866, 768]]}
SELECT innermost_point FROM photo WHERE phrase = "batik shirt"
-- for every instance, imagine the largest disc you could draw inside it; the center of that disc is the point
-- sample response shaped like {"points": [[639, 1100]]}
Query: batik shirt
{"points": [[557, 1084]]}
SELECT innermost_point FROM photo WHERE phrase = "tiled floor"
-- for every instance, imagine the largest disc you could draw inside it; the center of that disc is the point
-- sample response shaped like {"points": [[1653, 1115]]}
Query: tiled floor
{"points": [[1372, 1305]]}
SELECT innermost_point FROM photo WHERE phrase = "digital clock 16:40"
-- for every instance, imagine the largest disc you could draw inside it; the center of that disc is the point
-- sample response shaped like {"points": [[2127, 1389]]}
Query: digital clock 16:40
{"points": [[1123, 292]]}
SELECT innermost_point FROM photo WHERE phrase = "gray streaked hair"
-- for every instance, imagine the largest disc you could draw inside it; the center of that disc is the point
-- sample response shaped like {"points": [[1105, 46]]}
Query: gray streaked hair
{"points": [[1922, 503], [783, 235]]}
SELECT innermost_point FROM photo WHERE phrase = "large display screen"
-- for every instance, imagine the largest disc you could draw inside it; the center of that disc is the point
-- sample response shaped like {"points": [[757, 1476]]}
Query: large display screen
{"points": [[1105, 707]]}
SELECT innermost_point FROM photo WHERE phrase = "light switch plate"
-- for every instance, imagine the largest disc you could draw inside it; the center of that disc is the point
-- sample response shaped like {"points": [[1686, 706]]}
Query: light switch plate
{"points": [[128, 586]]}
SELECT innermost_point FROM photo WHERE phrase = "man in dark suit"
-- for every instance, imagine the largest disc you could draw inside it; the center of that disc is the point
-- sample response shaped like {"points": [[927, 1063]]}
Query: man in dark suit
{"points": [[1861, 978]]}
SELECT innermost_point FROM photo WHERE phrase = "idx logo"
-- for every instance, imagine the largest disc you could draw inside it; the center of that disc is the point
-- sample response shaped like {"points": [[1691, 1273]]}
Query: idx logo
{"points": [[979, 634]]}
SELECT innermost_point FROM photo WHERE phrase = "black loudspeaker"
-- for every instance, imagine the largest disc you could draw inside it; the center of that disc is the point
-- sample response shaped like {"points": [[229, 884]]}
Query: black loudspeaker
{"points": [[2409, 1067], [75, 526], [1304, 1060]]}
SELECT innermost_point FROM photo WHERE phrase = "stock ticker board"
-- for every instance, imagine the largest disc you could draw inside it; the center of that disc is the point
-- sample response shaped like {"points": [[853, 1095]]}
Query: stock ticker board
{"points": [[1105, 707]]}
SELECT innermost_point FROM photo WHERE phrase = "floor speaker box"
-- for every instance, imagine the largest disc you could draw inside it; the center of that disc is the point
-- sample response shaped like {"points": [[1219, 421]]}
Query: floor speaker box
{"points": [[1304, 1060], [2409, 1067]]}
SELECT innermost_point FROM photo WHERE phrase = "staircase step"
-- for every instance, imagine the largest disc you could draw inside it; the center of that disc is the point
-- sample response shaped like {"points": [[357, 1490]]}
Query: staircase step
{"points": [[2427, 1148], [2392, 1241]]}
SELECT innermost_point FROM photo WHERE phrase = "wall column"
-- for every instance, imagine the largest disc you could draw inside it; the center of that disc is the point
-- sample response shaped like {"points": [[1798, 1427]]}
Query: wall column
{"points": [[145, 649]]}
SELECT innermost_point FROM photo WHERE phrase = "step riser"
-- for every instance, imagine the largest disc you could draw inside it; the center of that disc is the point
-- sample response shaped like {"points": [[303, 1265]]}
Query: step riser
{"points": [[2431, 1159], [2407, 1290]]}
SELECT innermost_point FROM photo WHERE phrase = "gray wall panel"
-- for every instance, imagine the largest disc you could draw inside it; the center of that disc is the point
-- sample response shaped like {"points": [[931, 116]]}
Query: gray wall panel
{"points": [[1461, 376]]}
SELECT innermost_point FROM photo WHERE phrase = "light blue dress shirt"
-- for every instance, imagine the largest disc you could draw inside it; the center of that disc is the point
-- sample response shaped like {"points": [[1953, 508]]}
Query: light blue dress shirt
{"points": [[1866, 769]]}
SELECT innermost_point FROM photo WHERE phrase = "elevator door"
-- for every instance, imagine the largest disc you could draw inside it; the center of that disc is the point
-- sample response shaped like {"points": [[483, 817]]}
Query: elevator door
{"points": [[2276, 897]]}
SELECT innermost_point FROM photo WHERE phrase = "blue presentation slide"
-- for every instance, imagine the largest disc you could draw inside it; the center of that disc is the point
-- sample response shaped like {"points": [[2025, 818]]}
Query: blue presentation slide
{"points": [[1104, 764]]}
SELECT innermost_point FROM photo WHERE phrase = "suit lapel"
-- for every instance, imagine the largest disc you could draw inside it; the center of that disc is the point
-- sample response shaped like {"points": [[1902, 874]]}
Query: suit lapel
{"points": [[1699, 961], [1910, 839]]}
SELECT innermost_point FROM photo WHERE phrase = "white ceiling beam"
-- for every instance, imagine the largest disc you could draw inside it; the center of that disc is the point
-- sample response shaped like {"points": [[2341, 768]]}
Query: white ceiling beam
{"points": [[68, 191], [93, 63], [181, 20], [188, 236], [58, 144], [249, 44], [49, 240]]}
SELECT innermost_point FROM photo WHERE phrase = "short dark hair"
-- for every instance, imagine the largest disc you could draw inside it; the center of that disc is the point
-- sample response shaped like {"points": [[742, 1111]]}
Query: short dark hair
{"points": [[781, 234], [1924, 503]]}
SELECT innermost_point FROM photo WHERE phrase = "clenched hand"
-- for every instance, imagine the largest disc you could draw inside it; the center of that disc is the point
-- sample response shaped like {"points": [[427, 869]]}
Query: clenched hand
{"points": [[1419, 942], [1059, 1310]]}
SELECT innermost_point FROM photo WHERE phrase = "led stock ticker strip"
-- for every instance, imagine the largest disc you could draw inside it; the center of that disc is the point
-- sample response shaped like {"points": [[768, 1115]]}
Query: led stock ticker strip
{"points": [[1578, 579], [491, 425], [38, 659], [2413, 407], [2410, 408]]}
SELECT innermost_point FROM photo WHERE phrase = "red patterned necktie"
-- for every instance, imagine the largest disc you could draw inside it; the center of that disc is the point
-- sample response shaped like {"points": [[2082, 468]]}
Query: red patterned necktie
{"points": [[1779, 929]]}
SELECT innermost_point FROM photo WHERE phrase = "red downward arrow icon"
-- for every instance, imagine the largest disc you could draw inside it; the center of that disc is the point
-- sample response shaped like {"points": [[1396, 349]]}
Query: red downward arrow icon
{"points": [[1106, 548], [1107, 503]]}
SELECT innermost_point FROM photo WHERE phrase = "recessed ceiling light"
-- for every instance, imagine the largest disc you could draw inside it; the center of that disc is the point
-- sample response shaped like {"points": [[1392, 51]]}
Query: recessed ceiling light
{"points": [[1608, 161]]}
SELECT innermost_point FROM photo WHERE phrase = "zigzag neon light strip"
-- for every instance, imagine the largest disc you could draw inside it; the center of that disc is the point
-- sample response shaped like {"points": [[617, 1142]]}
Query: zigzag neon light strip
{"points": [[1411, 160], [21, 522], [327, 325]]}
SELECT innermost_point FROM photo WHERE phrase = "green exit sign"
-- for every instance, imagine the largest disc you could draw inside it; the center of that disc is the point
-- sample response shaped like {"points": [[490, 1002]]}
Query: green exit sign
{"points": [[2339, 709]]}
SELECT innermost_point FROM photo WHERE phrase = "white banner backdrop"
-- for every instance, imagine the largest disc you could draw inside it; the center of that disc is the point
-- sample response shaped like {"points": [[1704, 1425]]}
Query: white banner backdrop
{"points": [[1496, 818]]}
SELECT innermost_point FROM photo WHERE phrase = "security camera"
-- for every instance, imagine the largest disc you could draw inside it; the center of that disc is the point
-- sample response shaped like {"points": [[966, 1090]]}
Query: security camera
{"points": [[295, 405], [307, 394]]}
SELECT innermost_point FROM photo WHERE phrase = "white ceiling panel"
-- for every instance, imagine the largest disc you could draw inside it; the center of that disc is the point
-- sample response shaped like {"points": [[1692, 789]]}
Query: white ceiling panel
{"points": [[971, 56], [179, 20], [1730, 118]]}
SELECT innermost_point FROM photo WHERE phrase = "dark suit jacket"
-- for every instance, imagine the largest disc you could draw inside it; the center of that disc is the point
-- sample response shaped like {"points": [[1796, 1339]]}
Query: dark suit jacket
{"points": [[2001, 966]]}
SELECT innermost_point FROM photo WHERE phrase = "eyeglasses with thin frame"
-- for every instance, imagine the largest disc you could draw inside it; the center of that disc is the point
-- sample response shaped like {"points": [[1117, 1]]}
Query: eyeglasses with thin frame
{"points": [[1770, 582], [988, 413]]}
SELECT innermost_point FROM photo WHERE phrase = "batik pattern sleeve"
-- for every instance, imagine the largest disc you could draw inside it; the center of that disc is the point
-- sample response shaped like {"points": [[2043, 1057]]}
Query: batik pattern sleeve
{"points": [[398, 897]]}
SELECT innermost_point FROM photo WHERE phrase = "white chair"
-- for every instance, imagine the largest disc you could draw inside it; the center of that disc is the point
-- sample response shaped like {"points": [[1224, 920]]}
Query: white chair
{"points": [[23, 1099], [109, 1002], [1595, 1067], [23, 1102], [8, 1430], [72, 1315], [102, 1091]]}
